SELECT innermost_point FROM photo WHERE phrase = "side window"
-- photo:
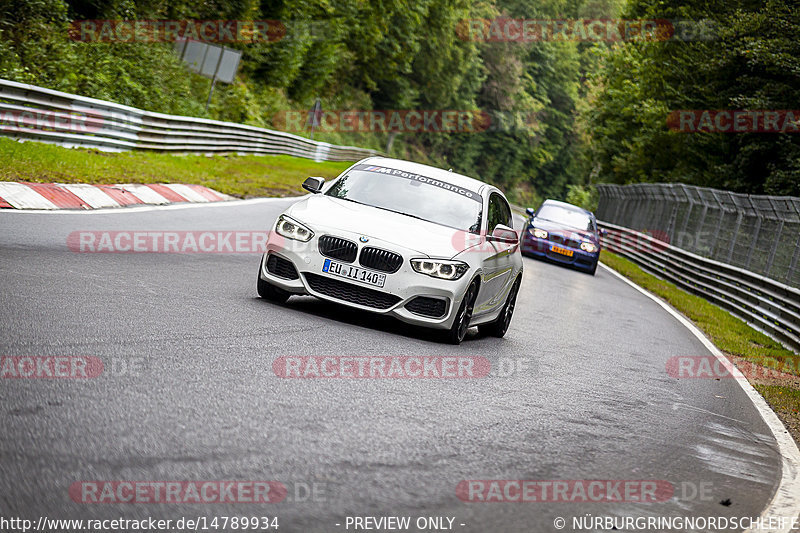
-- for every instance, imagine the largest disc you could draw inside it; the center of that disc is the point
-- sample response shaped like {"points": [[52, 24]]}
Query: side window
{"points": [[499, 212], [509, 220]]}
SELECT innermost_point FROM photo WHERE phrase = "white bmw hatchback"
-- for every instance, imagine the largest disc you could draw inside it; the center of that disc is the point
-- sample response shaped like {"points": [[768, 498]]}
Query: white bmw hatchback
{"points": [[428, 246]]}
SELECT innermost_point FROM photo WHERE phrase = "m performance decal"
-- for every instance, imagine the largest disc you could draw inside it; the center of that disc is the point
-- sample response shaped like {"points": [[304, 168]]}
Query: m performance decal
{"points": [[466, 193]]}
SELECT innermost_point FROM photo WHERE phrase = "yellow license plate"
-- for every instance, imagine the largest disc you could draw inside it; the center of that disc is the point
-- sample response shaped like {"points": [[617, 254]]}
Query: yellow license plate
{"points": [[560, 250]]}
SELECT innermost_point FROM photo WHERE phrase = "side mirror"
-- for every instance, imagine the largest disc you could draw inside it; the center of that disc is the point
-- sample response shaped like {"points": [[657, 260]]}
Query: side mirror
{"points": [[602, 232], [504, 234], [314, 185], [530, 211]]}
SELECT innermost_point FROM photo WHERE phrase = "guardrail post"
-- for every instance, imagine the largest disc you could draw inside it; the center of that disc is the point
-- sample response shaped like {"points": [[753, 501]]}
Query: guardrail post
{"points": [[655, 206], [774, 248], [688, 216], [793, 265], [659, 197], [322, 152], [602, 203], [672, 222], [626, 206], [721, 215], [641, 207], [753, 241], [738, 225]]}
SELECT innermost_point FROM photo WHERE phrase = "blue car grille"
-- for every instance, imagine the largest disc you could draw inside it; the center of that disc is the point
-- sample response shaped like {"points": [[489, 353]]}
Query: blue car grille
{"points": [[559, 239]]}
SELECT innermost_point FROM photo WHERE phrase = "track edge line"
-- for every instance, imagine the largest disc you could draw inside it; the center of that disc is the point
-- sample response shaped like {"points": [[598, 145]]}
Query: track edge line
{"points": [[786, 500]]}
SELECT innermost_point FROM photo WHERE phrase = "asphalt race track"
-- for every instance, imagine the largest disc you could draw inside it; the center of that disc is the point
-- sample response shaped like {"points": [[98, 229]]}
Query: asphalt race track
{"points": [[188, 392]]}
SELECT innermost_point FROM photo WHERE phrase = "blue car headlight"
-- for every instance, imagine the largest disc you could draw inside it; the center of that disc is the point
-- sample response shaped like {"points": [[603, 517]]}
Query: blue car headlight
{"points": [[589, 247], [538, 233]]}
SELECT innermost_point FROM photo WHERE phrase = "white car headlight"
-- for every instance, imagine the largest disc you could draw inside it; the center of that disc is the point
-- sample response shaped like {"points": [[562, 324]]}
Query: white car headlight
{"points": [[292, 229], [589, 247], [440, 268], [539, 233]]}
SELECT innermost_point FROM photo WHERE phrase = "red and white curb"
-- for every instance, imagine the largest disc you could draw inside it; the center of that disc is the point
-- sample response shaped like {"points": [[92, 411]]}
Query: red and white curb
{"points": [[21, 195]]}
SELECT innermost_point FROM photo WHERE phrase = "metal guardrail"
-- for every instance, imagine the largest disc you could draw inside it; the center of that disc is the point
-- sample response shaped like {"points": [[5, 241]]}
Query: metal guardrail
{"points": [[755, 232], [28, 112], [764, 303]]}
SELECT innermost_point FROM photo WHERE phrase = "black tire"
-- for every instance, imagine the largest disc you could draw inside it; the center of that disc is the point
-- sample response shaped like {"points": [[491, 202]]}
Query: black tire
{"points": [[594, 268], [271, 292], [499, 327], [458, 330]]}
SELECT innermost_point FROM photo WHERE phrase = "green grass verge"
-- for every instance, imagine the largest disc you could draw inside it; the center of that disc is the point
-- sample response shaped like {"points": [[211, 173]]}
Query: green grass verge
{"points": [[785, 401], [733, 336], [782, 397], [242, 176]]}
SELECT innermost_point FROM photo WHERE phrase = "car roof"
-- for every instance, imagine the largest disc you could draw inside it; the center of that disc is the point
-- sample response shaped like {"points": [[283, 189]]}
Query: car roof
{"points": [[428, 171], [565, 205]]}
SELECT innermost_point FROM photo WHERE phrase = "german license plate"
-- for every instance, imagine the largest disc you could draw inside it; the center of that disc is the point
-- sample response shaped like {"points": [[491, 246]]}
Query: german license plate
{"points": [[355, 273], [562, 251]]}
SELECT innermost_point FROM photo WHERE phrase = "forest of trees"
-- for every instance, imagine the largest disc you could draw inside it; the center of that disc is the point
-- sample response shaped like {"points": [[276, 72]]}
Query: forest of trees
{"points": [[751, 63], [600, 108]]}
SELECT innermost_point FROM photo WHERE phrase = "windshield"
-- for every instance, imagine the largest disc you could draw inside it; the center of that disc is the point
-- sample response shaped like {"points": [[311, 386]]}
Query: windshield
{"points": [[566, 217], [411, 194]]}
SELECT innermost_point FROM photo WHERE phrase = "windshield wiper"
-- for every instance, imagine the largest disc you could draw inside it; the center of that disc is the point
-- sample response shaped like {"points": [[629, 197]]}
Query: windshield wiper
{"points": [[406, 214], [350, 200]]}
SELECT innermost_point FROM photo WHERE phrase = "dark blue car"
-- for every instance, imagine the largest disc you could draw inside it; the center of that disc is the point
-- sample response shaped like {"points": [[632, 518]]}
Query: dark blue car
{"points": [[562, 233]]}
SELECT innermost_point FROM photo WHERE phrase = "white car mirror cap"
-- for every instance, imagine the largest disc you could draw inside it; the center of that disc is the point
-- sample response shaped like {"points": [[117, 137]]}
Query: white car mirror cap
{"points": [[505, 234]]}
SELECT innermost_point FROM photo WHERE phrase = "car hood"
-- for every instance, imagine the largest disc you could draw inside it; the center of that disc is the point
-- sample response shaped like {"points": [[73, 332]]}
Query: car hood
{"points": [[565, 231], [435, 240]]}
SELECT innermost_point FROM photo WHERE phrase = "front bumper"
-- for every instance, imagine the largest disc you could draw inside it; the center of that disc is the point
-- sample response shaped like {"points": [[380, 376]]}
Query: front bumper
{"points": [[541, 248], [404, 285]]}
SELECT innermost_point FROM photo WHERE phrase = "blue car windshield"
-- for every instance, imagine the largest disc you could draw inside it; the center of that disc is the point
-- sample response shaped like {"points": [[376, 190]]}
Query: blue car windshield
{"points": [[566, 217], [418, 197]]}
